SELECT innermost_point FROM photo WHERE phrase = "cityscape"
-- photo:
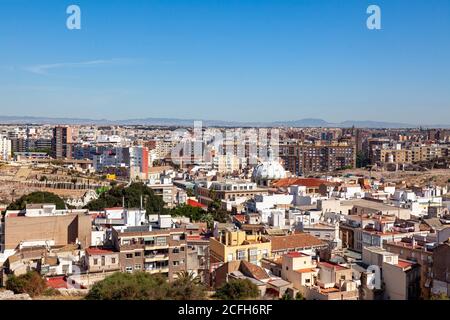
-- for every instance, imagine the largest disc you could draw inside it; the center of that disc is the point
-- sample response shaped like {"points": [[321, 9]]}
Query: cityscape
{"points": [[211, 151], [334, 214]]}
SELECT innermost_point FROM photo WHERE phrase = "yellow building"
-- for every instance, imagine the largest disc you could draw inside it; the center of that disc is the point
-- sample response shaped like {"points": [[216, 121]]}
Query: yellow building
{"points": [[237, 245]]}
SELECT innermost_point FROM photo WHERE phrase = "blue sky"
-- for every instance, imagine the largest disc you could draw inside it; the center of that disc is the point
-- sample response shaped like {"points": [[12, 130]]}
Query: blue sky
{"points": [[258, 60]]}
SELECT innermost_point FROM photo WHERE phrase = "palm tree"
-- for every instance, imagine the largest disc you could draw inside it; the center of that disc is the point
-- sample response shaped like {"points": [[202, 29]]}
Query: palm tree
{"points": [[188, 286], [188, 277]]}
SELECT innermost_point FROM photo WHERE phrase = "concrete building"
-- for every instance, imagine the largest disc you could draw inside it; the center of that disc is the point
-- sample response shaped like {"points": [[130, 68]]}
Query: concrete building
{"points": [[153, 251], [62, 143], [44, 225], [5, 149], [232, 245], [101, 260]]}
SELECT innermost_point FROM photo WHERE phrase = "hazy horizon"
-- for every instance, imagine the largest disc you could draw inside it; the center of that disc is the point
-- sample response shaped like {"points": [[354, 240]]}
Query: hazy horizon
{"points": [[235, 60]]}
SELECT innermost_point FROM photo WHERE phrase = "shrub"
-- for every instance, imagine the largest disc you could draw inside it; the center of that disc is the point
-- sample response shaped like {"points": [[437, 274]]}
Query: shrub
{"points": [[37, 197], [237, 289], [144, 286], [31, 283]]}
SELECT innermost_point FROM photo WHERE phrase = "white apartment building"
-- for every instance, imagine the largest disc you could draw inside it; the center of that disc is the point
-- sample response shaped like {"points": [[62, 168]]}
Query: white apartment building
{"points": [[5, 149]]}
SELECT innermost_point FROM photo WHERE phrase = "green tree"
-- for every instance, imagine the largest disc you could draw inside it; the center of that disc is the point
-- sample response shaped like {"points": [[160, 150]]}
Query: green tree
{"points": [[37, 197], [126, 286], [286, 296], [31, 283], [144, 286], [131, 195], [361, 160], [187, 287], [237, 289]]}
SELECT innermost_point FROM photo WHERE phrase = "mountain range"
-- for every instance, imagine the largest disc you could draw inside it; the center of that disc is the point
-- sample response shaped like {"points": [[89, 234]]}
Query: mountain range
{"points": [[308, 122]]}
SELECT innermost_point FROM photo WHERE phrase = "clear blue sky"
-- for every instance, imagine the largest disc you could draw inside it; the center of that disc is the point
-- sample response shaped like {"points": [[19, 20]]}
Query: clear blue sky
{"points": [[258, 60]]}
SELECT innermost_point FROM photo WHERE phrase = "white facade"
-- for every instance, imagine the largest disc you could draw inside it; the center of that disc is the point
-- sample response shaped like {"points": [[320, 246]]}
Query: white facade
{"points": [[5, 149]]}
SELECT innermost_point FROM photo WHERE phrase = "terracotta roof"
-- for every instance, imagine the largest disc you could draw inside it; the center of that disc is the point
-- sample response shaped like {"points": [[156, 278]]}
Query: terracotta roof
{"points": [[331, 265], [239, 217], [57, 283], [307, 182], [294, 241], [296, 254], [404, 264], [253, 270], [95, 251], [196, 204], [307, 270]]}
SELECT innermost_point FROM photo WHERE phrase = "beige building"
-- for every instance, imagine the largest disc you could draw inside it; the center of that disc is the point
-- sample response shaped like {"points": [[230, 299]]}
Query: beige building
{"points": [[226, 163], [101, 260], [237, 245], [56, 228]]}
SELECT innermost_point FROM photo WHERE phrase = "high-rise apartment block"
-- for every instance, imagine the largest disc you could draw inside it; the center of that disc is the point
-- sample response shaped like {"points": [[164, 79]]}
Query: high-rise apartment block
{"points": [[62, 143]]}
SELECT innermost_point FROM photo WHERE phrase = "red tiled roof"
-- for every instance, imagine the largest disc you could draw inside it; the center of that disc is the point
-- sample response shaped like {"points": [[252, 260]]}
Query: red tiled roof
{"points": [[94, 251], [195, 204], [307, 182], [294, 241], [404, 264], [296, 254], [57, 283], [307, 270], [332, 265], [239, 217]]}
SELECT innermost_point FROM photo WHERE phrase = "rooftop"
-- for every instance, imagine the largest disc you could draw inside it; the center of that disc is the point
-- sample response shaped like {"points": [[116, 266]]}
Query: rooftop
{"points": [[295, 241]]}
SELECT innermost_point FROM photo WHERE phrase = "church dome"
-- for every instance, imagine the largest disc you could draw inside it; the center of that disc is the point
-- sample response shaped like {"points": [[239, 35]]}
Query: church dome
{"points": [[269, 170]]}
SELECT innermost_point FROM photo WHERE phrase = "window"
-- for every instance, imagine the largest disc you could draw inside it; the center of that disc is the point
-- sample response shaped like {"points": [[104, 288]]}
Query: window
{"points": [[129, 269], [253, 255], [129, 256], [176, 237], [240, 254], [342, 277], [95, 261], [176, 250], [161, 241], [307, 280], [113, 260], [137, 267], [137, 254], [176, 263]]}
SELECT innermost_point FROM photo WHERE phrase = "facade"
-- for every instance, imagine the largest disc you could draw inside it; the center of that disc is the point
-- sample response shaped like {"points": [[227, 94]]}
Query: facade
{"points": [[413, 251], [237, 245], [139, 163], [62, 143], [101, 260], [154, 251], [5, 149], [441, 269], [301, 158], [226, 163], [46, 226], [401, 280]]}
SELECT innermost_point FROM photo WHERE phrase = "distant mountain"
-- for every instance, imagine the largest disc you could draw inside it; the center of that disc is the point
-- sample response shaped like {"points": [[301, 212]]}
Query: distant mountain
{"points": [[309, 122]]}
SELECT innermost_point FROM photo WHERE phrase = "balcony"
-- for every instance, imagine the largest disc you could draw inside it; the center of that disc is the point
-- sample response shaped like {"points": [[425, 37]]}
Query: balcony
{"points": [[158, 270], [156, 257], [155, 246]]}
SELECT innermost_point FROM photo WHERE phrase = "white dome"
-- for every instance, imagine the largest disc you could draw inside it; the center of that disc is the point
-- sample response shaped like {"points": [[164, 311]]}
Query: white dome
{"points": [[269, 170]]}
